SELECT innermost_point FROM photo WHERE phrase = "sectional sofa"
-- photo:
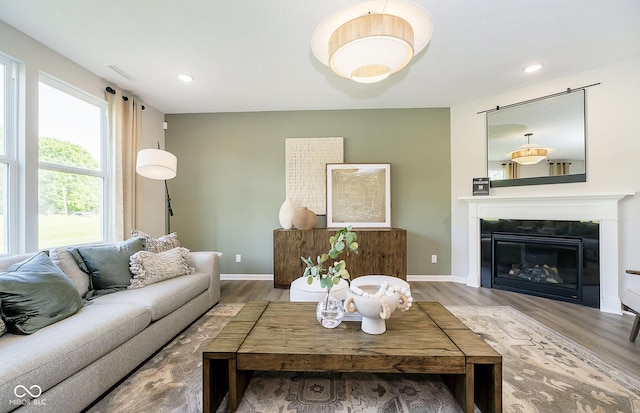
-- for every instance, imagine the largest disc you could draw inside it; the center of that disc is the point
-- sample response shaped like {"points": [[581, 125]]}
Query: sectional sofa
{"points": [[65, 366]]}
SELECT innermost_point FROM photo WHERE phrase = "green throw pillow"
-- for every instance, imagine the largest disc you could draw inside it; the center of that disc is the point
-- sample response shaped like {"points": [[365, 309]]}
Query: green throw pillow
{"points": [[107, 265], [36, 293]]}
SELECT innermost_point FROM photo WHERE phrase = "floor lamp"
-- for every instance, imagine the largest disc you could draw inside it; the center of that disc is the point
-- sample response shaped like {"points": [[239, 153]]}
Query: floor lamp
{"points": [[161, 165]]}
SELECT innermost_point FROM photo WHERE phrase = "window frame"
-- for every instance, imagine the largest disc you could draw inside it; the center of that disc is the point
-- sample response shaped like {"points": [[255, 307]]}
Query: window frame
{"points": [[10, 156], [105, 152]]}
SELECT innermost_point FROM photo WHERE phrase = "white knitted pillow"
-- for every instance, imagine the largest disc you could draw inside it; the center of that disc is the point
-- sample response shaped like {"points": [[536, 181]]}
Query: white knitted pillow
{"points": [[164, 243], [149, 267], [3, 327]]}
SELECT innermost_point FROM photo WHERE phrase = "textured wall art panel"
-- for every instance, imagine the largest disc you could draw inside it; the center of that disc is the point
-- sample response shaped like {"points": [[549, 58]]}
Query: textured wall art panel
{"points": [[305, 170]]}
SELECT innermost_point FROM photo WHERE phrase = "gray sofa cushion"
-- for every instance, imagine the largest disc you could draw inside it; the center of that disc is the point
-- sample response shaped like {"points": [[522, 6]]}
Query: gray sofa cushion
{"points": [[107, 265], [54, 353], [36, 293], [164, 297]]}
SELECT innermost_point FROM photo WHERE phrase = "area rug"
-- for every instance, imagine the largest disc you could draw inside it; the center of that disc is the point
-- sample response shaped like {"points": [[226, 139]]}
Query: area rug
{"points": [[543, 372]]}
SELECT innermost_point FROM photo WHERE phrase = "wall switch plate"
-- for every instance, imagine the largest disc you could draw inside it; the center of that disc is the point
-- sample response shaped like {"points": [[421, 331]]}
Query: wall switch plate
{"points": [[238, 258], [434, 259]]}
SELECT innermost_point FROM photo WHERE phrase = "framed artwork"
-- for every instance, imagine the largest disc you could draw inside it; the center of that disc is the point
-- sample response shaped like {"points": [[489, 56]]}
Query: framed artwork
{"points": [[359, 195]]}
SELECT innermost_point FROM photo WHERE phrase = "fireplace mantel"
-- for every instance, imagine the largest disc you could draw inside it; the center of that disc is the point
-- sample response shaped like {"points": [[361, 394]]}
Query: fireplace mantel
{"points": [[602, 207]]}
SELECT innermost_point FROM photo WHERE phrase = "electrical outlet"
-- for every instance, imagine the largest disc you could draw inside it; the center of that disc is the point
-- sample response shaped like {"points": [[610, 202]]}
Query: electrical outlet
{"points": [[434, 259], [238, 258]]}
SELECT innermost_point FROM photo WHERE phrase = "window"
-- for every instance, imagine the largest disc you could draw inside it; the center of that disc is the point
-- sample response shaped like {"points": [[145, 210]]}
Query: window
{"points": [[8, 104], [71, 165], [496, 173]]}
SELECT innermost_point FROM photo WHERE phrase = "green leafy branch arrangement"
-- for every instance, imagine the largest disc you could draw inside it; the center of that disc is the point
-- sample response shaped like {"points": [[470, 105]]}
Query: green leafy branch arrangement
{"points": [[343, 240]]}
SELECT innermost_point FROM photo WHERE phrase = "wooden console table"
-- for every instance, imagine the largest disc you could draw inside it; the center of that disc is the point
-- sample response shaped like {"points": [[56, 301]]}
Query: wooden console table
{"points": [[382, 251]]}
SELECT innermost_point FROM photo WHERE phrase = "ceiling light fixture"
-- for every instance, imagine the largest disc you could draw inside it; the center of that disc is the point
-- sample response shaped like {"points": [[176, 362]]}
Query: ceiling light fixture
{"points": [[532, 68], [372, 40], [186, 78], [529, 154]]}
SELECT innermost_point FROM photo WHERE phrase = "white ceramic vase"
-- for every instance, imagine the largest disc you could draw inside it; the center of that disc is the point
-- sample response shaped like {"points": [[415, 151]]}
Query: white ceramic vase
{"points": [[287, 209]]}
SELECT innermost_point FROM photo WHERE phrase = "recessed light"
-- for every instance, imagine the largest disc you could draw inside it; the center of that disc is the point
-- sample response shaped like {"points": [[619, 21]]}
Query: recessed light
{"points": [[533, 68], [186, 78]]}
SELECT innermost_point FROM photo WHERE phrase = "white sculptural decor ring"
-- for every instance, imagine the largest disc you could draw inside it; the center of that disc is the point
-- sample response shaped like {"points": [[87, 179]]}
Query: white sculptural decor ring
{"points": [[376, 297]]}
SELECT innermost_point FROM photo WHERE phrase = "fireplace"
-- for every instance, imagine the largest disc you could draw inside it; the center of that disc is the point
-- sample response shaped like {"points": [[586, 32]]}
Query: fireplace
{"points": [[551, 259], [600, 207]]}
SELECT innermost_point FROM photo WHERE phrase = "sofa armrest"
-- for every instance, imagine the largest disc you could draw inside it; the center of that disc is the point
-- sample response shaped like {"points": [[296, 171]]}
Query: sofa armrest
{"points": [[207, 262]]}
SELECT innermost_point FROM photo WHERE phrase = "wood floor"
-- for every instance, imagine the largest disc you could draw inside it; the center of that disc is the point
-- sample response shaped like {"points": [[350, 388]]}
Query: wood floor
{"points": [[604, 334]]}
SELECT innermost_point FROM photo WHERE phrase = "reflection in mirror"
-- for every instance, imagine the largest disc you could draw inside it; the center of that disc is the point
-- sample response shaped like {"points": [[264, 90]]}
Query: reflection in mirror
{"points": [[538, 142]]}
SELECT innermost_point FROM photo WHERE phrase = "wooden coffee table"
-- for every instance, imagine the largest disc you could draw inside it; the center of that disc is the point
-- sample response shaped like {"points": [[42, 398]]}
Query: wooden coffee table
{"points": [[285, 336]]}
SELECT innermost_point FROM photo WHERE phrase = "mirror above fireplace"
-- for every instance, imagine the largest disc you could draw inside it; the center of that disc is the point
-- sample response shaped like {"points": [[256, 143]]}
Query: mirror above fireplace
{"points": [[541, 141]]}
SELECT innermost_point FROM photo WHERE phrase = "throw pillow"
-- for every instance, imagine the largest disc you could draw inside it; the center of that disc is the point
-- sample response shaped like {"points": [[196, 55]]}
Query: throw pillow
{"points": [[107, 265], [36, 293], [62, 258], [148, 267], [3, 327], [164, 243]]}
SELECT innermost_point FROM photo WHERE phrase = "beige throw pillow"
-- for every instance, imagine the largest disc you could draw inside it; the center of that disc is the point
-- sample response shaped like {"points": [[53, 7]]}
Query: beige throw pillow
{"points": [[164, 243], [149, 267], [63, 259]]}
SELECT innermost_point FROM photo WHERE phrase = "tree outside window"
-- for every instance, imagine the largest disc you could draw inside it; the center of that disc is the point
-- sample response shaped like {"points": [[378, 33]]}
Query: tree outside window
{"points": [[71, 176]]}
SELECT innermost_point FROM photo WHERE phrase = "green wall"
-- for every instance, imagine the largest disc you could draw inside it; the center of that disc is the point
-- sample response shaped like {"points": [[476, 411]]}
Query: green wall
{"points": [[231, 178]]}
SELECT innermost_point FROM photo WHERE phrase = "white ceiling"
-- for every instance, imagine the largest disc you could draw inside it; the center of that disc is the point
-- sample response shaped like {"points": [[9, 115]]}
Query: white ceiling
{"points": [[255, 55]]}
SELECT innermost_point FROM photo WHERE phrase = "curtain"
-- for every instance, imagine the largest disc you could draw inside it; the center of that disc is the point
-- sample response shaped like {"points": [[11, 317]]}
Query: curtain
{"points": [[125, 136], [511, 170], [559, 168]]}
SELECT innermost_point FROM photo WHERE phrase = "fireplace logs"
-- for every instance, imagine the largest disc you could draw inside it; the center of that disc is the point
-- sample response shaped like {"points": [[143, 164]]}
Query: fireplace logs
{"points": [[535, 272]]}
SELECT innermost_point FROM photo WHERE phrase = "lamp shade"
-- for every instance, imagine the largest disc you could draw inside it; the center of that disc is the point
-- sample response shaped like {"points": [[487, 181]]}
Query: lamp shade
{"points": [[156, 164], [371, 40], [371, 47]]}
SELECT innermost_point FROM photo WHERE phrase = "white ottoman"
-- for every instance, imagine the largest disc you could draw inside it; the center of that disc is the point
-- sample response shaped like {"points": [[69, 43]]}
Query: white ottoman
{"points": [[300, 290]]}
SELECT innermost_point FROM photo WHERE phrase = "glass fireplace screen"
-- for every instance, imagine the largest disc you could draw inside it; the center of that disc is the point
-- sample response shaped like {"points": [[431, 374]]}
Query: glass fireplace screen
{"points": [[543, 260]]}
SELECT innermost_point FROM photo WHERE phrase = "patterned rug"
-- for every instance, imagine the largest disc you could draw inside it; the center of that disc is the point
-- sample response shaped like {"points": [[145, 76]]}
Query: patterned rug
{"points": [[542, 372]]}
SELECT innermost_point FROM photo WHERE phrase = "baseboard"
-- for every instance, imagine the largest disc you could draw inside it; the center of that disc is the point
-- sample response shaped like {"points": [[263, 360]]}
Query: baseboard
{"points": [[269, 277], [437, 278], [611, 305], [242, 277]]}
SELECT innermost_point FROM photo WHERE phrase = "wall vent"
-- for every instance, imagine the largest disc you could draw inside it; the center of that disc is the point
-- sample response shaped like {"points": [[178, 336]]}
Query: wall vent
{"points": [[121, 72]]}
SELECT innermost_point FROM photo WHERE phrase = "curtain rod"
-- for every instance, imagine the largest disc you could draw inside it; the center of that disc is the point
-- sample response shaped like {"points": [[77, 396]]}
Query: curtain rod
{"points": [[113, 92], [569, 90]]}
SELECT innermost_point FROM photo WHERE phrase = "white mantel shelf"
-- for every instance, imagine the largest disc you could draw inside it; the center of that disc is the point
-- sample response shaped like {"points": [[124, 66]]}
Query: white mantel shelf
{"points": [[602, 207], [595, 195]]}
